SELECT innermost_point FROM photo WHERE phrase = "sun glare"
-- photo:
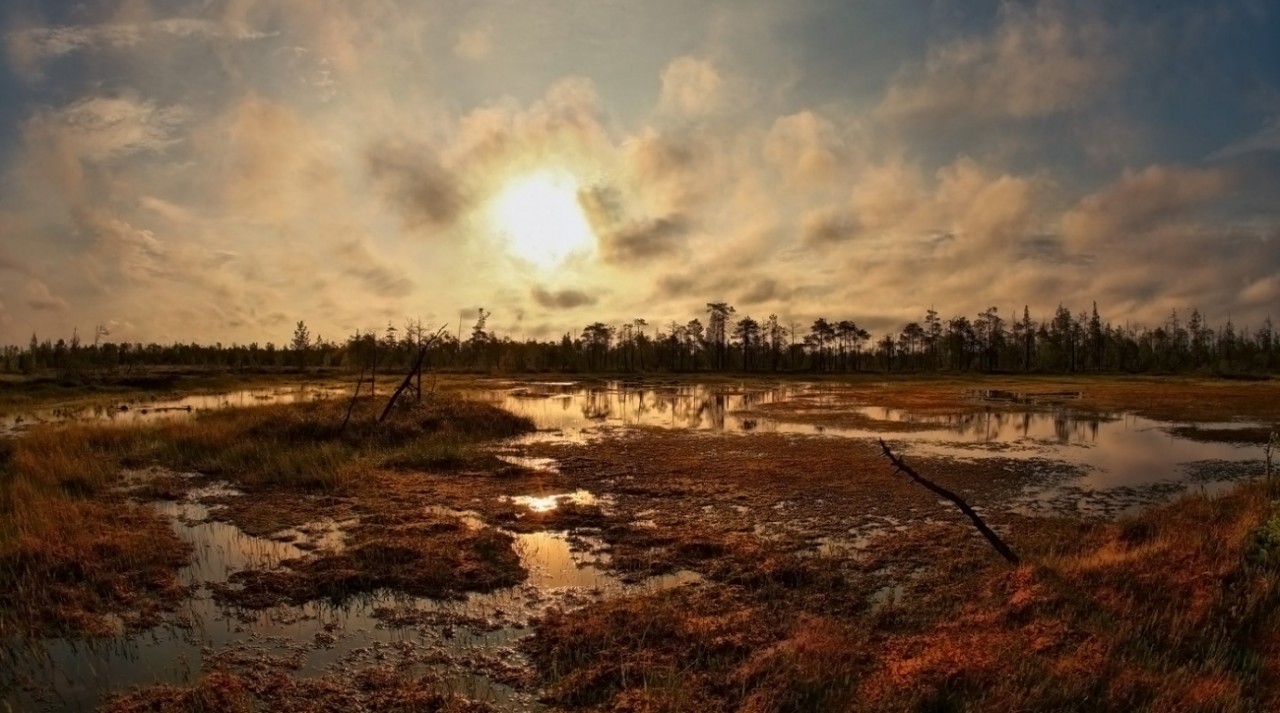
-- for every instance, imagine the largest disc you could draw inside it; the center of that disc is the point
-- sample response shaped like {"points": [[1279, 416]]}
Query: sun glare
{"points": [[541, 219]]}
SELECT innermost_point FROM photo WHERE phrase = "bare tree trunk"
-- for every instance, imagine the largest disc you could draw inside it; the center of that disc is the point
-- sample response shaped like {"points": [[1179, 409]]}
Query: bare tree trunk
{"points": [[987, 532]]}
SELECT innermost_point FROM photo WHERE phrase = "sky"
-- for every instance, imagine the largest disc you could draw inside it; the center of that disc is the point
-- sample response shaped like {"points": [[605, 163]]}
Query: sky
{"points": [[215, 170]]}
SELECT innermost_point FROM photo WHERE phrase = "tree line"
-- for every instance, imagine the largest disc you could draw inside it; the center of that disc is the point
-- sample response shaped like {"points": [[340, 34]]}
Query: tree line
{"points": [[1066, 342]]}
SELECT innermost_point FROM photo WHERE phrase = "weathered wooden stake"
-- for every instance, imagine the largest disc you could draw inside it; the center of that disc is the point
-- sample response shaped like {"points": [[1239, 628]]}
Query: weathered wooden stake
{"points": [[987, 532]]}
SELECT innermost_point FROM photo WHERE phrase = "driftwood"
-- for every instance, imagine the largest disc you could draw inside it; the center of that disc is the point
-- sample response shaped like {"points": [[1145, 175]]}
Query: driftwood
{"points": [[408, 378], [986, 531]]}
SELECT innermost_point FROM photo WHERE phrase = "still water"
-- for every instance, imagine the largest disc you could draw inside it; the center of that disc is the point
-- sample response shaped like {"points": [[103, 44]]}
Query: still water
{"points": [[143, 410], [1112, 450], [461, 640]]}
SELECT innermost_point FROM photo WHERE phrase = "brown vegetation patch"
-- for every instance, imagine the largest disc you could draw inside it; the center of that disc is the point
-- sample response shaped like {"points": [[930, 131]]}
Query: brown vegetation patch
{"points": [[782, 486], [76, 551], [1253, 435], [1172, 610], [691, 649], [428, 556], [377, 690], [89, 568], [1162, 398]]}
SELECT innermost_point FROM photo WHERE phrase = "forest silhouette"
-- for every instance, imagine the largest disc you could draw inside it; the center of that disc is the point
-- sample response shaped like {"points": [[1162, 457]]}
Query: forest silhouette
{"points": [[987, 343]]}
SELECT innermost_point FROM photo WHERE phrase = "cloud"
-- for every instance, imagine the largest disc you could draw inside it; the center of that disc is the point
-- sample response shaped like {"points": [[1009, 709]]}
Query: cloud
{"points": [[675, 286], [358, 260], [763, 291], [135, 253], [1261, 293], [65, 151], [691, 86], [1265, 139], [561, 299], [10, 263], [108, 127], [411, 179], [1139, 203], [829, 225], [29, 48], [474, 45], [39, 298], [644, 240], [266, 163], [1040, 60], [679, 171], [806, 148], [970, 202]]}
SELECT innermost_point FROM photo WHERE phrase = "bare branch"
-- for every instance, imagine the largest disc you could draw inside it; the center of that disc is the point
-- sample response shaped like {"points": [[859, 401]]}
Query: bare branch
{"points": [[987, 532]]}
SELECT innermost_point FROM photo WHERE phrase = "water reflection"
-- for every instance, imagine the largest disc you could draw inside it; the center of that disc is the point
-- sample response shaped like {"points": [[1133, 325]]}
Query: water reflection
{"points": [[452, 637], [149, 410], [1112, 449], [567, 406], [547, 503]]}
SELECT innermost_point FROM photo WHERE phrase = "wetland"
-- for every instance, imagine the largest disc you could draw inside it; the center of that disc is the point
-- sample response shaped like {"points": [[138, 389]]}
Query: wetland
{"points": [[657, 544]]}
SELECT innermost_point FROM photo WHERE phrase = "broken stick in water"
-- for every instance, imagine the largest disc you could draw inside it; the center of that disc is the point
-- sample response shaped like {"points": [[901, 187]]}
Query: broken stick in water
{"points": [[987, 532]]}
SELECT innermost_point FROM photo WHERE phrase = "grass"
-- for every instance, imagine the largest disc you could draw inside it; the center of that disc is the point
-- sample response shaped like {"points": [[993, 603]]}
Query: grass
{"points": [[79, 557], [48, 390], [1171, 610], [1174, 609], [377, 690], [1252, 435], [431, 556]]}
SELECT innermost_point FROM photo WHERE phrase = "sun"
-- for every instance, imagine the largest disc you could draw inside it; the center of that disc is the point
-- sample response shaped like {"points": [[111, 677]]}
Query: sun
{"points": [[541, 219]]}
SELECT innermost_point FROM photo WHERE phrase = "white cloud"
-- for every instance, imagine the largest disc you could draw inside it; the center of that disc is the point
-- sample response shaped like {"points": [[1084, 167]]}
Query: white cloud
{"points": [[1140, 203], [1039, 61], [104, 128], [691, 86], [30, 48]]}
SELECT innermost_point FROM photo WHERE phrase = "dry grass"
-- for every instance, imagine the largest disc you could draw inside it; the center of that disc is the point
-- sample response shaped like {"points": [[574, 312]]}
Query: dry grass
{"points": [[74, 558], [1257, 435], [1174, 610], [376, 690], [1163, 398], [429, 556], [79, 558]]}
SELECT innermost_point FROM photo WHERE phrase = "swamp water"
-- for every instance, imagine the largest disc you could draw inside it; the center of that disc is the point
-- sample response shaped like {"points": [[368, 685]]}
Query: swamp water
{"points": [[1115, 458], [471, 642], [141, 410]]}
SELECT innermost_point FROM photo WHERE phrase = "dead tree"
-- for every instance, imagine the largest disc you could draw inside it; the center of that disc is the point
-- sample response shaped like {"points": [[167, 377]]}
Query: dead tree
{"points": [[987, 532], [408, 378]]}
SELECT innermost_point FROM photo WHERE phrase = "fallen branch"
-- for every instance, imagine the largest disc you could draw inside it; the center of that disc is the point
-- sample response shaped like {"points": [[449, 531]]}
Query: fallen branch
{"points": [[987, 532], [408, 378]]}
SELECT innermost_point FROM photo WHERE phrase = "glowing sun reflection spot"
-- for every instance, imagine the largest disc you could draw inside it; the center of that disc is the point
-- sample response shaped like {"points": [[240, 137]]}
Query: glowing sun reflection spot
{"points": [[541, 218], [547, 503]]}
